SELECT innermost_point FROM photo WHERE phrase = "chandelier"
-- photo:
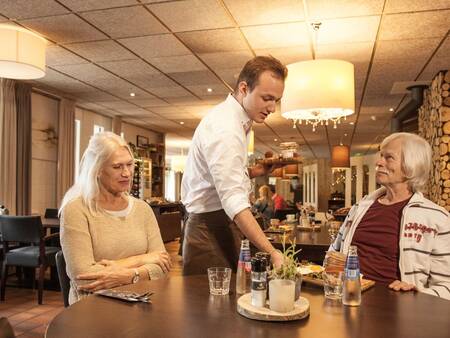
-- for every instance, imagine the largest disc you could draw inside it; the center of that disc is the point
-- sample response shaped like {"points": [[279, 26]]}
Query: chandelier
{"points": [[22, 53], [318, 92]]}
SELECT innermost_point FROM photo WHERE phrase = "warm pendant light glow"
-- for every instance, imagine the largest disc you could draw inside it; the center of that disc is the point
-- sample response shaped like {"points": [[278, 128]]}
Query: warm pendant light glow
{"points": [[340, 157], [319, 90], [22, 53], [178, 163], [251, 143]]}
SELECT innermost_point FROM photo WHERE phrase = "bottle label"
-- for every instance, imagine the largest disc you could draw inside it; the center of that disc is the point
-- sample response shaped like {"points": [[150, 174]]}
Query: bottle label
{"points": [[352, 273], [258, 285]]}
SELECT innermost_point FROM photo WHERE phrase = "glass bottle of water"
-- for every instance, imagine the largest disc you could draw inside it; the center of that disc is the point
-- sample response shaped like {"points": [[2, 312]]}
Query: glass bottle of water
{"points": [[243, 274], [352, 283]]}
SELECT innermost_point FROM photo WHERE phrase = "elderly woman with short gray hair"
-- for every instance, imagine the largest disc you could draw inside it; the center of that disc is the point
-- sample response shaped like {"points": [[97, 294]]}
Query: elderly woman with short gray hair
{"points": [[403, 239]]}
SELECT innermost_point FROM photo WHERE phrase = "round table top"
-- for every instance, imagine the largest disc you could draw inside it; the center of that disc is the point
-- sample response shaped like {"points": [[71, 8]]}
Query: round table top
{"points": [[183, 307]]}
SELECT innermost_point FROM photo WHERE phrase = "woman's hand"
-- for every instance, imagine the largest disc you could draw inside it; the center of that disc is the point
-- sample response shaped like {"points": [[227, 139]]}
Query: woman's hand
{"points": [[403, 286], [111, 276], [161, 258]]}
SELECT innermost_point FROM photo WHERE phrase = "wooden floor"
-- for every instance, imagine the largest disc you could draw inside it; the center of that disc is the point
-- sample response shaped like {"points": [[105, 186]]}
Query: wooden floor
{"points": [[30, 319]]}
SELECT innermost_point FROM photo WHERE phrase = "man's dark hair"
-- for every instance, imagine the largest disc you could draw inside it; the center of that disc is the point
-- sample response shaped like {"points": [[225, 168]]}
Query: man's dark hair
{"points": [[256, 66]]}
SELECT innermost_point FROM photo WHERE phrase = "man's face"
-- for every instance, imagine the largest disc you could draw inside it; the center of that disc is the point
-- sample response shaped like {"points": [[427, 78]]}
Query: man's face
{"points": [[261, 101], [389, 166]]}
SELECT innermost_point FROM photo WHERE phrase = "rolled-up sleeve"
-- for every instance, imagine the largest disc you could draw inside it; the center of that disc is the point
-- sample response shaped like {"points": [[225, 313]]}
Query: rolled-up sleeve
{"points": [[225, 154]]}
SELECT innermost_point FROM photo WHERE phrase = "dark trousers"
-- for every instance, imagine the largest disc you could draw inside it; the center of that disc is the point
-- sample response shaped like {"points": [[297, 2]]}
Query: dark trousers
{"points": [[210, 239]]}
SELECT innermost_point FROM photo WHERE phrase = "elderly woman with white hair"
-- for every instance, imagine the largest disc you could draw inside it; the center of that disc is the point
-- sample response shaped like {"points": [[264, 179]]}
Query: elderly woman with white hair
{"points": [[108, 237], [403, 239]]}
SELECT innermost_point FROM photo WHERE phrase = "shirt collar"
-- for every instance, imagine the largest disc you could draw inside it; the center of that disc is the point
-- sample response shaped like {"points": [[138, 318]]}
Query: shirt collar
{"points": [[241, 113]]}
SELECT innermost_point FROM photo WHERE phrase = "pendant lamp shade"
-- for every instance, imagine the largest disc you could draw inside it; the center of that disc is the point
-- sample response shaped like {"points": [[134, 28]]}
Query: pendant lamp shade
{"points": [[340, 157], [22, 53]]}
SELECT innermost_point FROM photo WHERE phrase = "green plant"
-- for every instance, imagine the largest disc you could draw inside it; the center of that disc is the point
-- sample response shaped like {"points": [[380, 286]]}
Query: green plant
{"points": [[289, 268]]}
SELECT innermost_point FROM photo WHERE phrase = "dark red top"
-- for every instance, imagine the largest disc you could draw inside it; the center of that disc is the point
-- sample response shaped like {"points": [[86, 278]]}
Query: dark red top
{"points": [[377, 237], [278, 202]]}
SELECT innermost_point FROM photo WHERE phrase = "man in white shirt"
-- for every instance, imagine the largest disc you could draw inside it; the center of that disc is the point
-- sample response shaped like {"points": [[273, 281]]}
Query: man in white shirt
{"points": [[216, 181]]}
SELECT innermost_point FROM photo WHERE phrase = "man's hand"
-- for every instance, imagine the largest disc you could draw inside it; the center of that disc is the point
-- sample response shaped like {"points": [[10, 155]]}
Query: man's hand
{"points": [[277, 259], [402, 286]]}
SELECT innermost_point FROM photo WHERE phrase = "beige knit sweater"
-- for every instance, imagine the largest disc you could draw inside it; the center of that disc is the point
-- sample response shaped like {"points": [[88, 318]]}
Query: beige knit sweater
{"points": [[87, 239]]}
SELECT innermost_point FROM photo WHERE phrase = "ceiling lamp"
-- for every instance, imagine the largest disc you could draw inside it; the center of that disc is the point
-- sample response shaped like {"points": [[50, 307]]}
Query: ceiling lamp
{"points": [[340, 157], [319, 91], [22, 53], [178, 163]]}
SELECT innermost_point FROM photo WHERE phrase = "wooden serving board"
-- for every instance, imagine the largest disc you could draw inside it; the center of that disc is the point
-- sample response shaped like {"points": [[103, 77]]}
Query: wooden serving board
{"points": [[246, 309], [281, 161], [365, 283]]}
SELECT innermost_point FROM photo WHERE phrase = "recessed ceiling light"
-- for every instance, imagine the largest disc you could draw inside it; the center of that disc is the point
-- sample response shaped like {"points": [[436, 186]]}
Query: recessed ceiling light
{"points": [[181, 122], [373, 118], [275, 139], [209, 90], [132, 94], [352, 123], [391, 109], [345, 134]]}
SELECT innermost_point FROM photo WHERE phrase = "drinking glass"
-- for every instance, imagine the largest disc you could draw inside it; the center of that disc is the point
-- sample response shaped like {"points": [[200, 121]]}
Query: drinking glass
{"points": [[333, 274], [219, 280]]}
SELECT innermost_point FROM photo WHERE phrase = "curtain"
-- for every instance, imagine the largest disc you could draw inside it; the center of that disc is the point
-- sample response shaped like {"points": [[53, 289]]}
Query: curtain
{"points": [[8, 145], [117, 125], [66, 148], [23, 108]]}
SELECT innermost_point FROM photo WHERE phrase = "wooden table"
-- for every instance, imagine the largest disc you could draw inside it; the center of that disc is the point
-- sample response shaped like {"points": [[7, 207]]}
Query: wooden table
{"points": [[183, 307], [314, 244]]}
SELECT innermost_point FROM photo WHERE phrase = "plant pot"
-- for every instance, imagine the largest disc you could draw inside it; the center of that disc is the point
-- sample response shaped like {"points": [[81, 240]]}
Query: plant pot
{"points": [[281, 295], [298, 286]]}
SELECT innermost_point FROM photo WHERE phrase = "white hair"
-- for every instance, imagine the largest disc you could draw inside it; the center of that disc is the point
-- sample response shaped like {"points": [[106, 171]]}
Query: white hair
{"points": [[416, 159], [100, 148]]}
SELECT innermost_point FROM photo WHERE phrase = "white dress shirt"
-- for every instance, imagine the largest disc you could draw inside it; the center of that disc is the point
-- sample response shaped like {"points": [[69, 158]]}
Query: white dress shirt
{"points": [[216, 175]]}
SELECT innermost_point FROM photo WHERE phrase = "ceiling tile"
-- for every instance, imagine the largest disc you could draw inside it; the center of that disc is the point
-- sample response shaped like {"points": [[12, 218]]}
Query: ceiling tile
{"points": [[192, 15], [118, 105], [214, 41], [415, 25], [202, 89], [182, 102], [125, 22], [351, 52], [98, 51], [64, 28], [89, 73], [156, 46], [56, 55], [195, 78], [175, 64], [440, 61], [174, 91], [146, 103], [263, 12], [419, 49], [288, 55], [348, 30], [226, 60], [96, 95], [277, 36], [23, 9], [325, 9], [88, 5], [62, 82], [137, 112], [130, 68], [396, 6], [230, 76]]}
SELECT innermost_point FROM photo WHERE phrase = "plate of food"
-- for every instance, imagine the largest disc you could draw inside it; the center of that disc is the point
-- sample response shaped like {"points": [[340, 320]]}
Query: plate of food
{"points": [[310, 268]]}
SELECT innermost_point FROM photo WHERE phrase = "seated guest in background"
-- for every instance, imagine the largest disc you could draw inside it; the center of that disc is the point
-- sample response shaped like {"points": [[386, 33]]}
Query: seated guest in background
{"points": [[278, 201], [108, 237], [264, 204], [403, 239]]}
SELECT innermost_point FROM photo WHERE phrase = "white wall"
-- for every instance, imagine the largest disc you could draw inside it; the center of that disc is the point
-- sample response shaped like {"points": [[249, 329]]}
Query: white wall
{"points": [[88, 119], [44, 115], [131, 131]]}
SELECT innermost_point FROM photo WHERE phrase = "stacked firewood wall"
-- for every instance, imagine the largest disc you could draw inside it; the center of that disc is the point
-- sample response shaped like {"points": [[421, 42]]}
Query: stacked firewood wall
{"points": [[434, 126]]}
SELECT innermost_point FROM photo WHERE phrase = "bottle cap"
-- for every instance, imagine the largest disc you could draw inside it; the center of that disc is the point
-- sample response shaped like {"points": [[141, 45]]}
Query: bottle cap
{"points": [[258, 264]]}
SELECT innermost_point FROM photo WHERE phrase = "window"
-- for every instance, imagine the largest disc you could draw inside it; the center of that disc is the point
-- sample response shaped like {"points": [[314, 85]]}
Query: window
{"points": [[77, 148], [98, 129]]}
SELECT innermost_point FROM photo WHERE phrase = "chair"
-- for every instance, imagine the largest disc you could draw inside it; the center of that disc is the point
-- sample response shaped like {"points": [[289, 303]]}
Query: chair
{"points": [[64, 280], [51, 213], [26, 229], [6, 330]]}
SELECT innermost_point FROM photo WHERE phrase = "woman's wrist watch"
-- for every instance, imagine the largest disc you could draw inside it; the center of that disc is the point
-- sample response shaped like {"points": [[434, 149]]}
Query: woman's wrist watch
{"points": [[135, 277]]}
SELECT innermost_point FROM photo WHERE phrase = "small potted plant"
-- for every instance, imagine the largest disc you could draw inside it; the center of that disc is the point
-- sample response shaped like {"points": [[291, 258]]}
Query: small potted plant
{"points": [[285, 284]]}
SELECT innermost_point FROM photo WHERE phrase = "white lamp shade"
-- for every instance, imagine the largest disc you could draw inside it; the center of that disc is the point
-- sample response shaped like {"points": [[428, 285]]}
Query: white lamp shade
{"points": [[325, 85], [178, 163], [22, 53]]}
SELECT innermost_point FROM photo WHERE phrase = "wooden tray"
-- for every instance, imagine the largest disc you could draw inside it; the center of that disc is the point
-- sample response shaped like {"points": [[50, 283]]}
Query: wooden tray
{"points": [[279, 161], [365, 283], [246, 309]]}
